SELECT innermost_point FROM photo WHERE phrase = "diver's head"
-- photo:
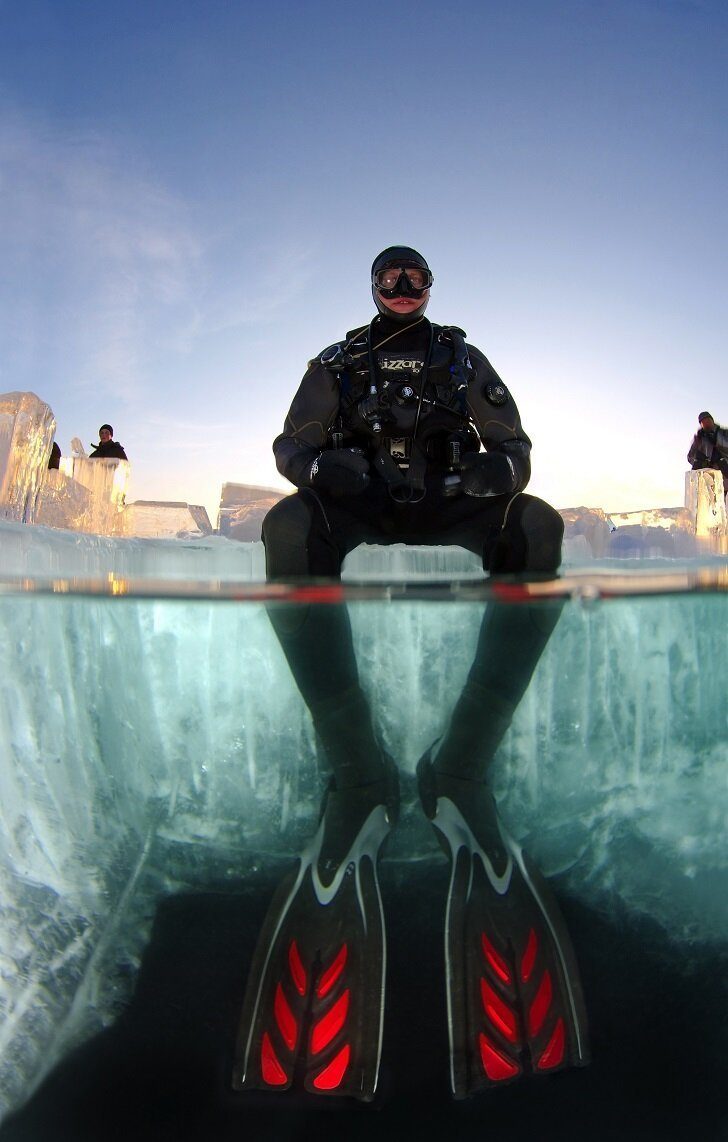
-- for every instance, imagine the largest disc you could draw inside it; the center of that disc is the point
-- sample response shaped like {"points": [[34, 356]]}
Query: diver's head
{"points": [[401, 281]]}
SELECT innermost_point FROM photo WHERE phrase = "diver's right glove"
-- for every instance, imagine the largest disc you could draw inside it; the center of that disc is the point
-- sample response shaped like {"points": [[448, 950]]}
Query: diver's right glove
{"points": [[340, 471], [487, 474]]}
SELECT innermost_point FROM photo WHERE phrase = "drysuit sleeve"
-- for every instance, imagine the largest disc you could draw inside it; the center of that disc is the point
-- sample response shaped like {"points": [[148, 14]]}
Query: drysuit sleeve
{"points": [[495, 416], [305, 432]]}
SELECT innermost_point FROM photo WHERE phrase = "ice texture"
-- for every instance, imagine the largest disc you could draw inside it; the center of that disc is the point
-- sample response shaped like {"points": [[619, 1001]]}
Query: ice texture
{"points": [[106, 481], [157, 519], [27, 425], [149, 744], [705, 501]]}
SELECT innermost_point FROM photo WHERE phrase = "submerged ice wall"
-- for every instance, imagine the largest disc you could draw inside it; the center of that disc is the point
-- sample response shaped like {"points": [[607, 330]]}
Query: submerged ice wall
{"points": [[142, 736]]}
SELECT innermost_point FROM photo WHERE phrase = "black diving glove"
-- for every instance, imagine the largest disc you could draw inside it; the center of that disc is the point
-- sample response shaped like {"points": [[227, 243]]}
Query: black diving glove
{"points": [[487, 474], [340, 471]]}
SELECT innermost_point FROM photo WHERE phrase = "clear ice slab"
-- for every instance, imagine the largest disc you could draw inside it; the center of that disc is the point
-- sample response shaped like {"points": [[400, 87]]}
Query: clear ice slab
{"points": [[152, 744]]}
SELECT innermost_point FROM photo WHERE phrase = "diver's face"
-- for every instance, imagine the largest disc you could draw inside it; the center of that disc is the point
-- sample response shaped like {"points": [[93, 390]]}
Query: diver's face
{"points": [[403, 289], [104, 436]]}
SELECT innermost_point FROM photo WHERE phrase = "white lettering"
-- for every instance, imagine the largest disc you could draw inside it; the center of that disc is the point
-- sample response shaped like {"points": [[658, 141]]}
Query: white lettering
{"points": [[401, 363]]}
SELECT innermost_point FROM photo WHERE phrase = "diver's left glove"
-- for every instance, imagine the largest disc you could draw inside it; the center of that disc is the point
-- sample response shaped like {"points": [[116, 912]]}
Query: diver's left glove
{"points": [[340, 471], [487, 474]]}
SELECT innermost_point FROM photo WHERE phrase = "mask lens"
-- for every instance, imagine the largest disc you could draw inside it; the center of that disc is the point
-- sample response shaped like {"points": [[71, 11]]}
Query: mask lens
{"points": [[389, 279], [418, 279]]}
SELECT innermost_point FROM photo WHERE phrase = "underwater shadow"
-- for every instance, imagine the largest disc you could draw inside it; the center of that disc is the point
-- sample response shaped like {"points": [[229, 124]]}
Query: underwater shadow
{"points": [[162, 1072]]}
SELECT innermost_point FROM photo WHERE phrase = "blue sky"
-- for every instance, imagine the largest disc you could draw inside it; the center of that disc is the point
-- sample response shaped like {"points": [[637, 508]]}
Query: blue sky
{"points": [[191, 195]]}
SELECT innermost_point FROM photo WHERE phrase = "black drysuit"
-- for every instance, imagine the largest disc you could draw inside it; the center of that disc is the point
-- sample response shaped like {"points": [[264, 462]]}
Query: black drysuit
{"points": [[405, 399]]}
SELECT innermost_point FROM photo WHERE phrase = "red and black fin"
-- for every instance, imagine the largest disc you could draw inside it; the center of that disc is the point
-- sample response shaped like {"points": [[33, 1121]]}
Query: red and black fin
{"points": [[514, 997], [314, 1006]]}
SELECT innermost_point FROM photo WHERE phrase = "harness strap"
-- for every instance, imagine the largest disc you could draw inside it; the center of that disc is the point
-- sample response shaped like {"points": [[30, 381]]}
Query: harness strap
{"points": [[403, 485], [409, 486], [461, 366]]}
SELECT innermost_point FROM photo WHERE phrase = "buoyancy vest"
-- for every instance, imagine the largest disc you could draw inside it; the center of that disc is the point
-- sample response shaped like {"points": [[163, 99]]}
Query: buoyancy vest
{"points": [[404, 404]]}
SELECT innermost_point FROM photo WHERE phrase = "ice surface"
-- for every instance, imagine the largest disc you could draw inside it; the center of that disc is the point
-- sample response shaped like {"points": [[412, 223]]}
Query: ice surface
{"points": [[152, 743], [158, 519], [243, 508]]}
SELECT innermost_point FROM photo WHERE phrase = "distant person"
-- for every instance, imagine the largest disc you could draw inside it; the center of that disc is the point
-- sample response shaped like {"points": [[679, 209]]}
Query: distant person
{"points": [[709, 448], [107, 448], [55, 458]]}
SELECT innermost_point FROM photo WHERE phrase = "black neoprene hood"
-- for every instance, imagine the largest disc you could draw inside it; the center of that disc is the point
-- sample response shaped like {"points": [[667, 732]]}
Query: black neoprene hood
{"points": [[398, 256]]}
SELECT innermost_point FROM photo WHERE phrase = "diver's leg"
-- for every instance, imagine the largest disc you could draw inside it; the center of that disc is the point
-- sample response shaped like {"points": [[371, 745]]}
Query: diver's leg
{"points": [[511, 640], [514, 998], [307, 537], [313, 1012]]}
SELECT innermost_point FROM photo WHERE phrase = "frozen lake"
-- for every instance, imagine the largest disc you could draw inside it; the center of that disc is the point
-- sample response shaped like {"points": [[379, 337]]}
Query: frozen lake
{"points": [[159, 769]]}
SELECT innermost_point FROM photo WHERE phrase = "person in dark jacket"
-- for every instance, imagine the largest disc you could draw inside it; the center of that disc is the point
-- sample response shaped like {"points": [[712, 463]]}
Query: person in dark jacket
{"points": [[107, 448], [709, 448]]}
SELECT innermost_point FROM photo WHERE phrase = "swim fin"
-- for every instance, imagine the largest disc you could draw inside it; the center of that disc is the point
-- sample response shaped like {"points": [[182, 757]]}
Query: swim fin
{"points": [[314, 1006], [514, 999]]}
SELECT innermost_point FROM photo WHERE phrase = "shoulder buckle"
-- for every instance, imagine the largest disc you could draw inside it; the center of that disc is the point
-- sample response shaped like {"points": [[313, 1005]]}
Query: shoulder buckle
{"points": [[336, 358]]}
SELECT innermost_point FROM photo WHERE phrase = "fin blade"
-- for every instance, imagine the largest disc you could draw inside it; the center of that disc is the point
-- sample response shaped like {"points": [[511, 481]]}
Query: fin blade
{"points": [[313, 1011], [514, 996]]}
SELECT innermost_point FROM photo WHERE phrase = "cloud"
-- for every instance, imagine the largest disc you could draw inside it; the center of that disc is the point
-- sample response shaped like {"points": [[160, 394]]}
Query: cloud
{"points": [[108, 278], [256, 278], [100, 262]]}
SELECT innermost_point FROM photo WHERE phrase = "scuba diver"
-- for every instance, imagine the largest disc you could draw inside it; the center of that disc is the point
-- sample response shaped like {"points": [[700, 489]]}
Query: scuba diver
{"points": [[404, 433]]}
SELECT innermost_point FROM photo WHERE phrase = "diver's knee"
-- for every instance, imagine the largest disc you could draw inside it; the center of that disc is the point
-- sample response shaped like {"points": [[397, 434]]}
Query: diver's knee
{"points": [[543, 529], [286, 530], [288, 522]]}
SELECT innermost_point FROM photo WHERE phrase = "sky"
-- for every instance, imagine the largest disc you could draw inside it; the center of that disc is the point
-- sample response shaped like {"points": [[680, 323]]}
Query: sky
{"points": [[192, 193]]}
